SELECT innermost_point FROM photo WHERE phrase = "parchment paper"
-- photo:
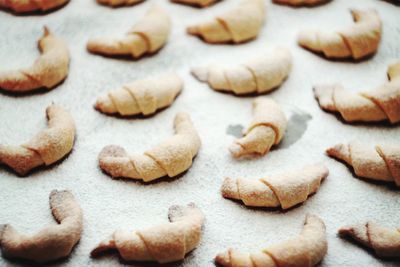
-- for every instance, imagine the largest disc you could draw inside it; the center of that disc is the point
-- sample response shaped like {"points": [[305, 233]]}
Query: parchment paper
{"points": [[111, 204]]}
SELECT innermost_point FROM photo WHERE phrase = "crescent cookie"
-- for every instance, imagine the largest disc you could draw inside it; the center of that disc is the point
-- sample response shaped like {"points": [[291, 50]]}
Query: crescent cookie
{"points": [[47, 71], [147, 37], [237, 25], [169, 158], [266, 129], [51, 243], [258, 75], [357, 41], [144, 96], [163, 243], [304, 250], [385, 242], [283, 190], [380, 104], [45, 148], [380, 162]]}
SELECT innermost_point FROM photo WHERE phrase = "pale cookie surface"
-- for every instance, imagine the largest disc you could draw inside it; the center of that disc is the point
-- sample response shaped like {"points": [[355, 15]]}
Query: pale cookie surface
{"points": [[283, 190], [380, 162], [237, 25], [266, 129], [257, 75], [46, 147], [384, 241], [148, 36], [357, 41], [144, 96], [52, 242], [26, 6], [47, 71], [304, 250], [169, 158], [380, 104], [163, 243]]}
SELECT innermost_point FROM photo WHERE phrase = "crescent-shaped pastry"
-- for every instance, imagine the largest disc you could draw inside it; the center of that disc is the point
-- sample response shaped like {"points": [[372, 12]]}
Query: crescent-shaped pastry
{"points": [[380, 162], [304, 250], [24, 6], [116, 3], [51, 243], [47, 71], [47, 147], [238, 25], [385, 242], [169, 158], [282, 190], [380, 104], [301, 2], [258, 75], [163, 243], [147, 37], [199, 3], [141, 96], [357, 41], [267, 129]]}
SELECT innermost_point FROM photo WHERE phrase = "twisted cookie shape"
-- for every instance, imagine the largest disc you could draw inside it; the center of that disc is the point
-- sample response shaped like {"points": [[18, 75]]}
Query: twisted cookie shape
{"points": [[357, 41], [171, 157], [380, 104], [199, 3], [23, 6], [162, 243], [146, 37], [301, 2], [238, 25], [47, 71], [53, 242], [47, 147], [304, 250], [285, 190], [115, 3], [380, 162], [258, 75], [267, 129], [385, 242], [142, 96]]}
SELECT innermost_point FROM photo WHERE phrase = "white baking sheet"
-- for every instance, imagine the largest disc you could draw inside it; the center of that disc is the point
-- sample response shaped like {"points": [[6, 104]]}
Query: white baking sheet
{"points": [[110, 204]]}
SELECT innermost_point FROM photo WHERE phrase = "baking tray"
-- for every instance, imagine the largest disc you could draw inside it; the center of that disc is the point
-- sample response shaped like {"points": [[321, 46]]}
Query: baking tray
{"points": [[111, 204]]}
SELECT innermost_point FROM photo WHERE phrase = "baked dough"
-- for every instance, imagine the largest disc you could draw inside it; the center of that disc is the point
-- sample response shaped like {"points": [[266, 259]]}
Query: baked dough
{"points": [[116, 3], [304, 250], [47, 71], [282, 190], [380, 162], [301, 2], [380, 104], [147, 37], [267, 129], [47, 147], [24, 6], [258, 75], [51, 243], [238, 25], [385, 242], [357, 41], [163, 243], [141, 96], [169, 158], [199, 3]]}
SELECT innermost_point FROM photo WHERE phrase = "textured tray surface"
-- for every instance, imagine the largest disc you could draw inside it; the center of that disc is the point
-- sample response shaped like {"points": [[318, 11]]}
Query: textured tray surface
{"points": [[110, 204]]}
